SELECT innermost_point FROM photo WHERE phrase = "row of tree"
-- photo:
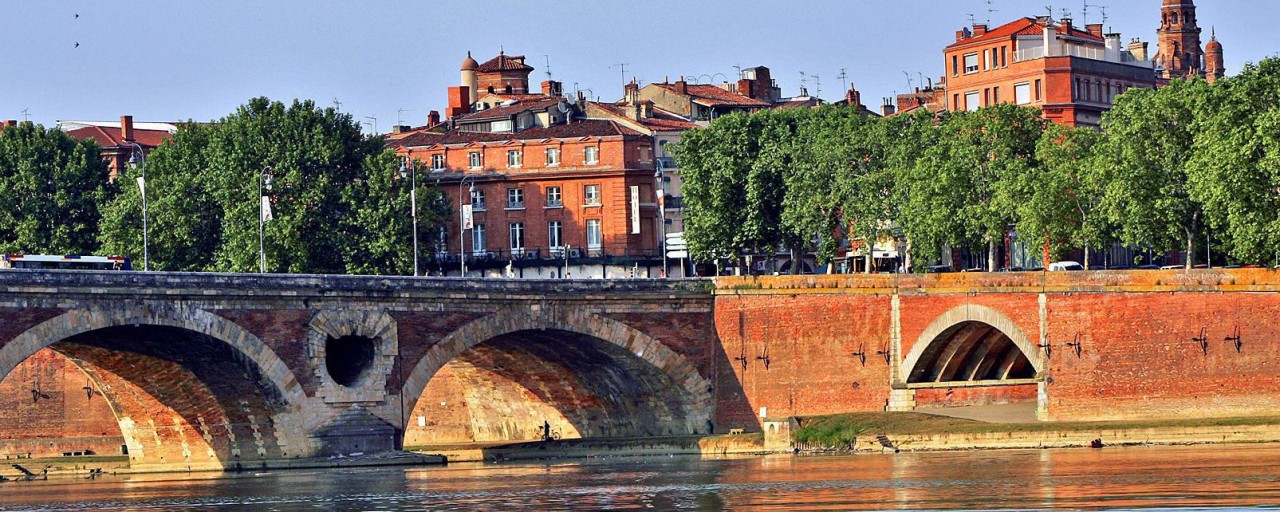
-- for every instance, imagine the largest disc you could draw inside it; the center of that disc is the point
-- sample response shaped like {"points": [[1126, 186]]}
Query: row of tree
{"points": [[1167, 165], [338, 203]]}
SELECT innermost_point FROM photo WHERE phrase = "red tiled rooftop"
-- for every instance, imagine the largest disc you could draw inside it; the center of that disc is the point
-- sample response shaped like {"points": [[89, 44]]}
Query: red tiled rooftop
{"points": [[107, 136], [576, 129], [1022, 27], [505, 63], [504, 111], [661, 120], [714, 96]]}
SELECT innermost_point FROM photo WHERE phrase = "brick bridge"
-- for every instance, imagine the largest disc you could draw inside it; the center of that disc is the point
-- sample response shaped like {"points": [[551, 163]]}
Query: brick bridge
{"points": [[214, 370]]}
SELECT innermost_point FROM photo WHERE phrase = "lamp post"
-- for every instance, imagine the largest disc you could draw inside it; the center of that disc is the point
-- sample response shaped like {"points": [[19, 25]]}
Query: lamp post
{"points": [[137, 158], [462, 224], [264, 181], [662, 213], [407, 167]]}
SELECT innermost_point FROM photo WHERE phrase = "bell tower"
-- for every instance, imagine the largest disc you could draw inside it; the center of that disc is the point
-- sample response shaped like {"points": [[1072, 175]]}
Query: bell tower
{"points": [[1180, 53]]}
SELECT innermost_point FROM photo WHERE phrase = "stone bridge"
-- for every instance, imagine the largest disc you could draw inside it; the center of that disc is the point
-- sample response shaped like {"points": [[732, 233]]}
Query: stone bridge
{"points": [[213, 370], [216, 370]]}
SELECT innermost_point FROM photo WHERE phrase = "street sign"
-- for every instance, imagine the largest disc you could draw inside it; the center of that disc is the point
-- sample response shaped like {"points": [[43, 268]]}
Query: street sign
{"points": [[679, 235], [677, 254], [677, 247]]}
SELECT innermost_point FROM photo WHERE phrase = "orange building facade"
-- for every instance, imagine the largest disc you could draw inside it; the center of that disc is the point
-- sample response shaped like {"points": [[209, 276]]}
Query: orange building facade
{"points": [[1072, 75]]}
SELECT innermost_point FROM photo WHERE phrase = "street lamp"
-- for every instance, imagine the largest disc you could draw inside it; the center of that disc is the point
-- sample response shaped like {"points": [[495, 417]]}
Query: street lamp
{"points": [[462, 223], [264, 182], [662, 213], [138, 158], [408, 170]]}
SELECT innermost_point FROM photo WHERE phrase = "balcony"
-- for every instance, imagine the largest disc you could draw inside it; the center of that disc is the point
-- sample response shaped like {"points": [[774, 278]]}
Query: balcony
{"points": [[1083, 52]]}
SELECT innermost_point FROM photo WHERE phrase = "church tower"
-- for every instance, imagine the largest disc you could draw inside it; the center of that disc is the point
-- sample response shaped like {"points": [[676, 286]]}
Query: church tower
{"points": [[1180, 54], [1214, 65]]}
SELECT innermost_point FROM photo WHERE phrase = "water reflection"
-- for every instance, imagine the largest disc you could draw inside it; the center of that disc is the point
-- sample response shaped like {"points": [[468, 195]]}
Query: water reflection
{"points": [[1168, 477]]}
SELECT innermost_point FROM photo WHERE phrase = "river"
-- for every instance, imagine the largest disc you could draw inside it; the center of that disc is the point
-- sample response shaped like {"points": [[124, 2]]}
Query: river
{"points": [[1224, 476]]}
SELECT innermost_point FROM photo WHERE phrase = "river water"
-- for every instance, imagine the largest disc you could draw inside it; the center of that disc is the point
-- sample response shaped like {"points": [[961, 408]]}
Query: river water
{"points": [[1240, 476]]}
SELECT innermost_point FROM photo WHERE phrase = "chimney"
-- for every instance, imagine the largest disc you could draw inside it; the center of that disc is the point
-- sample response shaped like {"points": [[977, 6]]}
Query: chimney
{"points": [[551, 88], [853, 97], [1065, 25], [631, 92], [1138, 49], [1050, 40], [887, 109], [961, 35], [433, 118], [979, 30], [745, 88], [1043, 21], [682, 87], [8, 124], [646, 109], [459, 103], [399, 128], [1094, 29], [126, 128]]}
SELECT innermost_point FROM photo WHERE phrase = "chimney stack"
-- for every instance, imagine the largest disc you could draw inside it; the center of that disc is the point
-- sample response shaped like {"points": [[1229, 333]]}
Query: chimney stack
{"points": [[887, 109], [552, 88], [126, 128], [8, 124], [459, 101], [399, 128], [1094, 29], [979, 30], [631, 92], [1138, 49], [682, 87], [433, 118]]}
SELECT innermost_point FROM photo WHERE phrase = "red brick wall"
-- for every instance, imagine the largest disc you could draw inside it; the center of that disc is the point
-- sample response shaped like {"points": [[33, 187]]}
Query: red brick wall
{"points": [[960, 397], [64, 417]]}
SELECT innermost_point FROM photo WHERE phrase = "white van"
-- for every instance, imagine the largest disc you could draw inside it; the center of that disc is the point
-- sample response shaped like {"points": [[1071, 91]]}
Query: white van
{"points": [[1065, 265]]}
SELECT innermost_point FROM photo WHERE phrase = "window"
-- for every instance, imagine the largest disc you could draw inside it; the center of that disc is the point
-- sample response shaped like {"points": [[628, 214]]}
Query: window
{"points": [[995, 95], [971, 101], [477, 199], [986, 59], [1038, 90], [553, 197], [591, 193], [514, 157], [517, 238], [955, 65], [1004, 56], [553, 156], [1022, 93], [437, 162], [476, 160], [970, 63], [591, 155], [515, 198], [593, 234], [555, 233], [477, 239]]}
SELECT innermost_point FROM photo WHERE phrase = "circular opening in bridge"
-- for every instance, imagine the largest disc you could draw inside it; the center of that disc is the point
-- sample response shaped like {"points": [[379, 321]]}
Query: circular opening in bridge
{"points": [[347, 358]]}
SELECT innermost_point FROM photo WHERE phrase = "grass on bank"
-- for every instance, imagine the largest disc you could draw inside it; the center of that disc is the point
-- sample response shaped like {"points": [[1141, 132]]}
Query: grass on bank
{"points": [[842, 429]]}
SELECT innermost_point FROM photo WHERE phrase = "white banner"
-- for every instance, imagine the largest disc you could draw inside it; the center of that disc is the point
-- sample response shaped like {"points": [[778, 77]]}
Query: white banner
{"points": [[413, 203], [142, 185], [466, 216], [635, 210], [266, 209]]}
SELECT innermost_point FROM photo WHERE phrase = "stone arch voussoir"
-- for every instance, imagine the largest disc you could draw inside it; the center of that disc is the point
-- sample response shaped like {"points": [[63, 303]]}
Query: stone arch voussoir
{"points": [[971, 313]]}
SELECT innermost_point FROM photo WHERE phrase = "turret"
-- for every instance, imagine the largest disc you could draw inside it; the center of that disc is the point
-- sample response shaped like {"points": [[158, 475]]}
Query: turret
{"points": [[1214, 65], [469, 66]]}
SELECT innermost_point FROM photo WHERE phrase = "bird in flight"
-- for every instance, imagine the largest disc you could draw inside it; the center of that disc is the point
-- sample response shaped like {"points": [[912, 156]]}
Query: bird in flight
{"points": [[77, 15], [77, 45]]}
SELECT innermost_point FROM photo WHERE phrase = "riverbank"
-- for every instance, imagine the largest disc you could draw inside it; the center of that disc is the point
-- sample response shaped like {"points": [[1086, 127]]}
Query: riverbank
{"points": [[906, 431], [730, 444]]}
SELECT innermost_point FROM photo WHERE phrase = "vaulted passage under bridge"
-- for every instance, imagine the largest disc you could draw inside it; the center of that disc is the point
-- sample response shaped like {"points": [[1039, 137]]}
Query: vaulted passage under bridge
{"points": [[971, 352]]}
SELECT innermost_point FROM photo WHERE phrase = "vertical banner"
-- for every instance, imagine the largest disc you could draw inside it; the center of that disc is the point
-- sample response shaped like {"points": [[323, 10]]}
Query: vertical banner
{"points": [[266, 209], [413, 203], [635, 210], [142, 185], [466, 216]]}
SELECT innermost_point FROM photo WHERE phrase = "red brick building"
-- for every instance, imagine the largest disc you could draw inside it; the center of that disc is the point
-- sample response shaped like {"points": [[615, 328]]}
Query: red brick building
{"points": [[118, 140], [1180, 55], [1073, 75], [556, 191]]}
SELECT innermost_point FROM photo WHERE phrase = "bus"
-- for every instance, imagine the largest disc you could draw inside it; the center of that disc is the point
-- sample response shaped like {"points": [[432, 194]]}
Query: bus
{"points": [[68, 262]]}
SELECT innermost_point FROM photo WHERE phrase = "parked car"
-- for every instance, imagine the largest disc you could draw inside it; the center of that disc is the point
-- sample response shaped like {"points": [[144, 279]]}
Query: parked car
{"points": [[1065, 265]]}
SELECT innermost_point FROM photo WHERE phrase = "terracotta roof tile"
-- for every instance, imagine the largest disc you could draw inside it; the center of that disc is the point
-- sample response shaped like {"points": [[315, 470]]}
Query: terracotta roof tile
{"points": [[505, 63], [715, 96], [576, 129], [661, 120], [107, 136], [505, 111], [1022, 27]]}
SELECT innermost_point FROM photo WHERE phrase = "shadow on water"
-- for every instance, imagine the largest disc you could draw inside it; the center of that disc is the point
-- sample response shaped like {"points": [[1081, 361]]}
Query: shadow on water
{"points": [[1238, 476]]}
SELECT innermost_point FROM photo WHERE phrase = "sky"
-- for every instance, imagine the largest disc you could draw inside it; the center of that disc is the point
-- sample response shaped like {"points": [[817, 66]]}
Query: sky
{"points": [[393, 60]]}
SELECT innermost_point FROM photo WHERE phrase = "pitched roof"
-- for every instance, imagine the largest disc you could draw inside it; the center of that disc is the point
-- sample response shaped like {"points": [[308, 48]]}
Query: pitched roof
{"points": [[505, 62], [715, 96], [661, 120], [107, 136], [576, 129], [505, 111], [1023, 27]]}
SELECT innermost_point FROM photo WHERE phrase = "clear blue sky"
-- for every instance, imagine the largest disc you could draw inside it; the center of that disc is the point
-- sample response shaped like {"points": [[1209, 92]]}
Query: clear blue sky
{"points": [[176, 60]]}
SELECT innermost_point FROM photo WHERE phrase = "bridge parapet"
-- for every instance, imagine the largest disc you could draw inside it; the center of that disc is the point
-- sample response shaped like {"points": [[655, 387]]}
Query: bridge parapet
{"points": [[1134, 281]]}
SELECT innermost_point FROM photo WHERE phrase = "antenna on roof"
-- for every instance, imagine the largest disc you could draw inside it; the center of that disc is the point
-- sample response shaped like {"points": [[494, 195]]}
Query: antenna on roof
{"points": [[622, 65], [548, 60], [1050, 9], [844, 77], [1084, 13], [1066, 13], [1103, 8], [400, 115], [990, 10], [803, 82], [972, 20], [910, 82], [739, 70], [374, 123], [337, 105], [26, 115], [817, 86]]}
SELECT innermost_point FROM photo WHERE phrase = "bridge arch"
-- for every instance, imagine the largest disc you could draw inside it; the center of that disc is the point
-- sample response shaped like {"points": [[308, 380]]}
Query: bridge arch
{"points": [[677, 399], [969, 343], [146, 361]]}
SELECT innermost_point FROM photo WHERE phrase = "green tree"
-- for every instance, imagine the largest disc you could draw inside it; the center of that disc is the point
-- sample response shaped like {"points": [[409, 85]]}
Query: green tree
{"points": [[967, 187], [1063, 199], [1147, 141], [1234, 170], [381, 228], [51, 187]]}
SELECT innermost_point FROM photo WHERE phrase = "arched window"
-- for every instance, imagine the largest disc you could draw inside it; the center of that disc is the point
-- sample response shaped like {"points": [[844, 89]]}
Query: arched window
{"points": [[508, 89], [1175, 18]]}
